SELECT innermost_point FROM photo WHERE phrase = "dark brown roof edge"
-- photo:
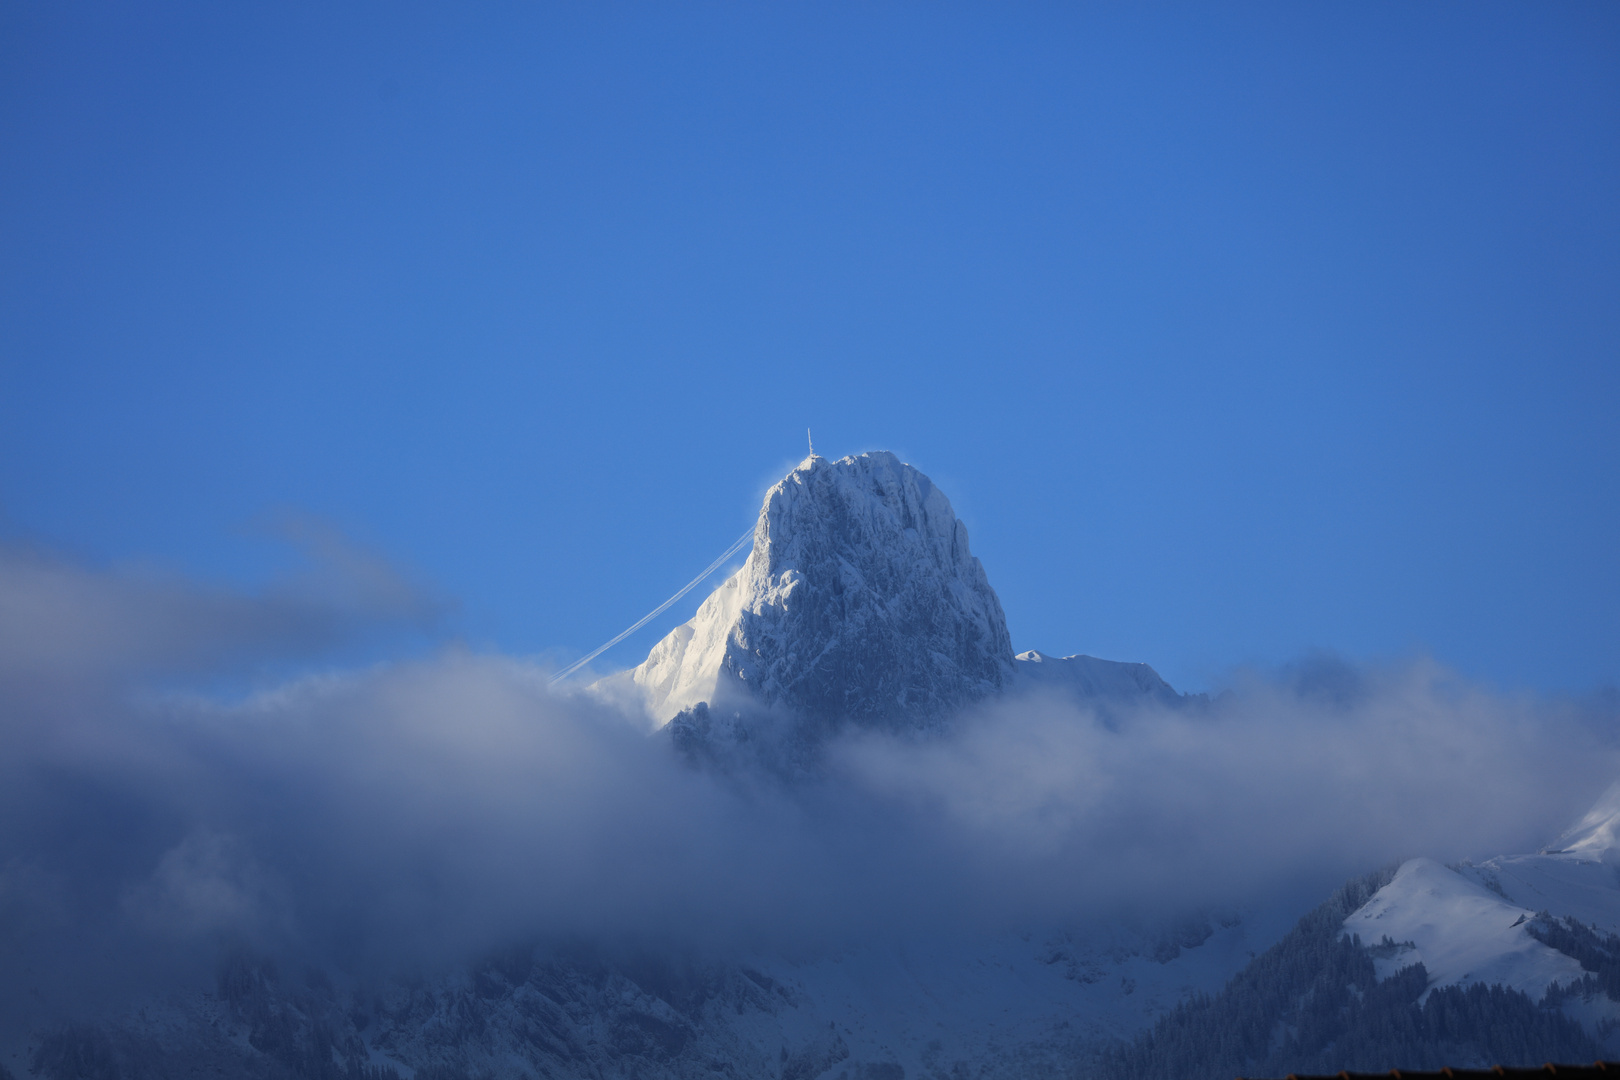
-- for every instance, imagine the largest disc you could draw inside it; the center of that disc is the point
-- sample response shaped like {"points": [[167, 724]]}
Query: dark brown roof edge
{"points": [[1608, 1069]]}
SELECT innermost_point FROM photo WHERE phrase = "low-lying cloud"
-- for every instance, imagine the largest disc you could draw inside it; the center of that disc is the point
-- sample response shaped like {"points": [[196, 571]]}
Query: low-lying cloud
{"points": [[416, 813], [61, 621], [1275, 783]]}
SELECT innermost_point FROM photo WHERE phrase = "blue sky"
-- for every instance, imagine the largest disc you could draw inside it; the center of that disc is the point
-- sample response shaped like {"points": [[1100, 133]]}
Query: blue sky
{"points": [[1233, 331]]}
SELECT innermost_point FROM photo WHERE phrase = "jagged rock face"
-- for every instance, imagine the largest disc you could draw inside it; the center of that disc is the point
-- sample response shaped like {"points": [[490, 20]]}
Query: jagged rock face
{"points": [[866, 601], [860, 600]]}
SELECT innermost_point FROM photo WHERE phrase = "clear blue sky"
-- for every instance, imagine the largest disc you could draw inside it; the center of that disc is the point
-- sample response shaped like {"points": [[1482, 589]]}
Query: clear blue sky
{"points": [[1233, 331]]}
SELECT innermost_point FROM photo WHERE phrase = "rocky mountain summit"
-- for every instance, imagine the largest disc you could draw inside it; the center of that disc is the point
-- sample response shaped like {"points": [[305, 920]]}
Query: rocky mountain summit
{"points": [[862, 602]]}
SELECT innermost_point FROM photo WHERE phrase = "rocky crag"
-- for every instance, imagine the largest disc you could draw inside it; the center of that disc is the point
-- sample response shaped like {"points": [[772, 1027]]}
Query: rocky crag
{"points": [[860, 602]]}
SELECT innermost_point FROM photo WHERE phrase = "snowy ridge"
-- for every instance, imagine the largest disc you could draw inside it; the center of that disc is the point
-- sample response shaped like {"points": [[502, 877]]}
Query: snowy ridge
{"points": [[1596, 835], [1089, 678], [1584, 889], [1459, 930], [1578, 875]]}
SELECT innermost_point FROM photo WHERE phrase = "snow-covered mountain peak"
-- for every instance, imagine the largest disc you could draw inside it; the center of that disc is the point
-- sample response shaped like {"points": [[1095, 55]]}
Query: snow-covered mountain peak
{"points": [[859, 600], [1460, 930], [1492, 922], [1597, 834]]}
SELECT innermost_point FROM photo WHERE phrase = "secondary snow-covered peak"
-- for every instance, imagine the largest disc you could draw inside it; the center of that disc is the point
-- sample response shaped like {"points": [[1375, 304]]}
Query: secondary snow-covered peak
{"points": [[1091, 679], [1596, 835], [1460, 931], [1477, 922], [859, 600]]}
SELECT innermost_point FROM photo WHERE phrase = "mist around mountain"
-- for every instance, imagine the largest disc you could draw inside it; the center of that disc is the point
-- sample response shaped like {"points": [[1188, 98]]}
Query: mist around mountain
{"points": [[969, 862]]}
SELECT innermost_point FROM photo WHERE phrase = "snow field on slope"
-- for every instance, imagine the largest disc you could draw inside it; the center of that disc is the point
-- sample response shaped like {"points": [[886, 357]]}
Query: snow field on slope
{"points": [[1460, 930]]}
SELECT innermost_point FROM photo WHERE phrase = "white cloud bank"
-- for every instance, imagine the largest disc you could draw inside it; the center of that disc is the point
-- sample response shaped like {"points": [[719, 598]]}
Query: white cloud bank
{"points": [[419, 812]]}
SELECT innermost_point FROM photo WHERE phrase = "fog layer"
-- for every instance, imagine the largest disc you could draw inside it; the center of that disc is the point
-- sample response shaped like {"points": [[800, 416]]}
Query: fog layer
{"points": [[419, 812]]}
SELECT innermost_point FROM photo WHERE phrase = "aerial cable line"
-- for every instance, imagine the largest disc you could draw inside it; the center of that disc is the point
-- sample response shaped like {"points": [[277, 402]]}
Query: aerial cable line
{"points": [[657, 611]]}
